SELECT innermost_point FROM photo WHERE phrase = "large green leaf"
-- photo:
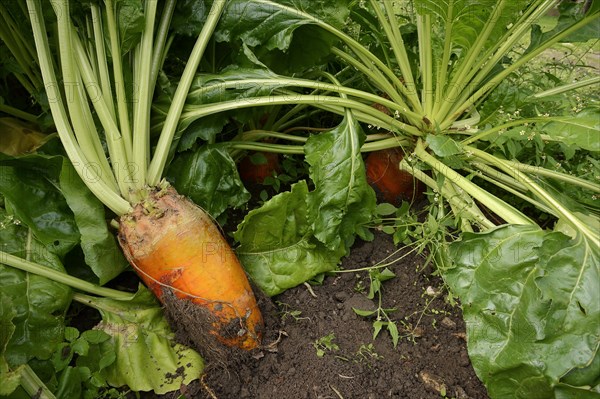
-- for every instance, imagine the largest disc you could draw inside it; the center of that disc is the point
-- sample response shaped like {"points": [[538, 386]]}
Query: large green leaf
{"points": [[39, 304], [342, 199], [468, 18], [131, 22], [272, 23], [30, 188], [11, 379], [570, 13], [189, 17], [580, 130], [277, 247], [270, 27], [209, 177], [146, 356], [47, 195], [299, 234], [531, 300], [99, 245]]}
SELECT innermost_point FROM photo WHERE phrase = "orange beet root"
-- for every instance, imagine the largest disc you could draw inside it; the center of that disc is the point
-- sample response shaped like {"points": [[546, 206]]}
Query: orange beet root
{"points": [[176, 247], [384, 176], [257, 173]]}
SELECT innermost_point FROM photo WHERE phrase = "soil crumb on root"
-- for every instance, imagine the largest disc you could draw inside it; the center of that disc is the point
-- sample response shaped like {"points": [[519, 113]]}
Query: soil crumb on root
{"points": [[431, 355]]}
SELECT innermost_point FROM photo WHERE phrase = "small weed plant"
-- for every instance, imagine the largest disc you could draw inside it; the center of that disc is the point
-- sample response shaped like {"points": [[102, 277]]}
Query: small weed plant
{"points": [[325, 344]]}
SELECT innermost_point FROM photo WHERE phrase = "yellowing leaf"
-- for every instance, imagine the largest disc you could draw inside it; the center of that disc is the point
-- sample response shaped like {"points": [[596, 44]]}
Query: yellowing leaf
{"points": [[18, 137]]}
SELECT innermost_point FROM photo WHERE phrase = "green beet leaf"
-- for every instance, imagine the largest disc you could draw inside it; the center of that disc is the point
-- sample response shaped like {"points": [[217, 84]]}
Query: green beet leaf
{"points": [[146, 357], [131, 23], [531, 301], [206, 129], [10, 378], [585, 376], [99, 245], [268, 28], [569, 392], [342, 199], [580, 131], [188, 18], [47, 195], [272, 24], [39, 304], [19, 137], [209, 177], [30, 188], [443, 146], [277, 246], [468, 18], [571, 12]]}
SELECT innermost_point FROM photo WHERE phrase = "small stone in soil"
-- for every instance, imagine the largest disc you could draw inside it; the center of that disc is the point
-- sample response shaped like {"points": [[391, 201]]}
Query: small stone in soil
{"points": [[432, 381], [459, 393], [418, 332], [448, 323], [340, 296]]}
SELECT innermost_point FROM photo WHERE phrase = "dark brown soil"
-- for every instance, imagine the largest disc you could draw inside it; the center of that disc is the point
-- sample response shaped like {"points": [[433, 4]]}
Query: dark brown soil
{"points": [[430, 360]]}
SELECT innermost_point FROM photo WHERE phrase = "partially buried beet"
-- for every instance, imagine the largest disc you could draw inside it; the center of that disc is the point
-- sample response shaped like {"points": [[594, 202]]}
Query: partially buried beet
{"points": [[175, 247], [391, 183], [257, 166], [181, 255]]}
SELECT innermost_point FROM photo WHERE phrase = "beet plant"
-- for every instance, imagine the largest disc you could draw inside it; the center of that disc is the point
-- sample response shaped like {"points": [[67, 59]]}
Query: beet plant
{"points": [[430, 77], [99, 64], [514, 235]]}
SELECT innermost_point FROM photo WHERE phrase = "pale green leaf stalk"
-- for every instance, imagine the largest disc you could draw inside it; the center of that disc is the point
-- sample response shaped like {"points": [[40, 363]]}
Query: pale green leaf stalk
{"points": [[160, 42], [22, 51], [492, 83], [114, 140], [426, 61], [392, 30], [159, 159], [460, 80], [594, 80], [90, 143], [33, 385], [542, 194], [101, 58], [128, 142], [143, 98], [502, 46], [496, 205], [121, 97], [63, 278], [462, 204], [108, 195]]}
